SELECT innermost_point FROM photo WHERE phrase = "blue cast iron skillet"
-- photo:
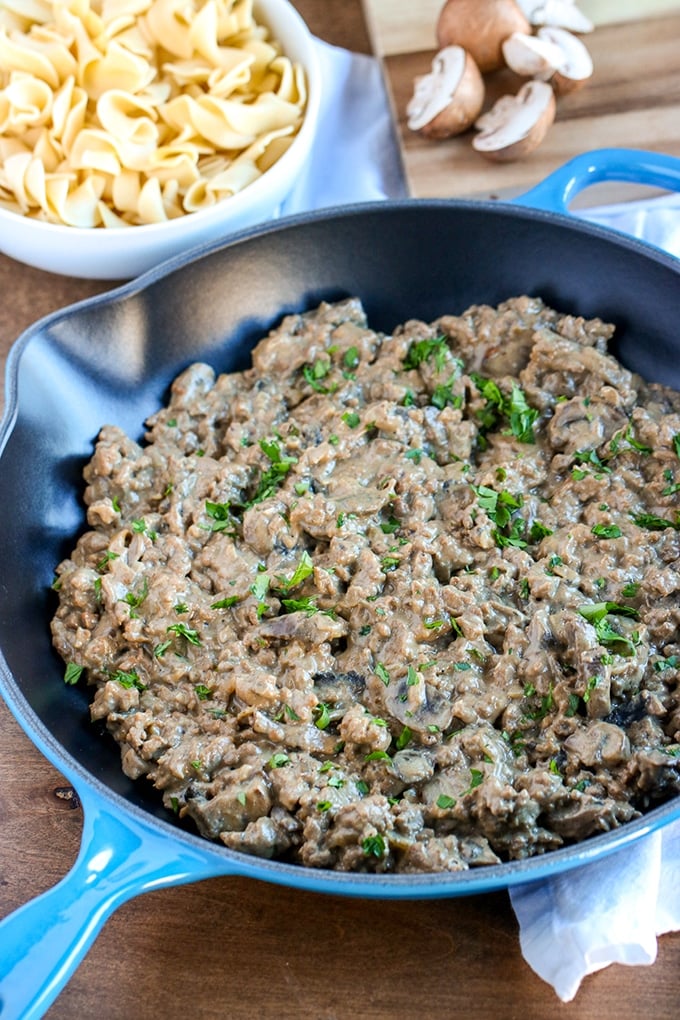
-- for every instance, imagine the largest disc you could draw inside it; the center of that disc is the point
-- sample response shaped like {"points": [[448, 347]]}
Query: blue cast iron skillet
{"points": [[111, 359]]}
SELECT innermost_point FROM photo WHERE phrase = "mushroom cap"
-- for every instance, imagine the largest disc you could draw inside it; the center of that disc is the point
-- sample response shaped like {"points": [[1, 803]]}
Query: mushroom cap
{"points": [[480, 26], [448, 100], [516, 125]]}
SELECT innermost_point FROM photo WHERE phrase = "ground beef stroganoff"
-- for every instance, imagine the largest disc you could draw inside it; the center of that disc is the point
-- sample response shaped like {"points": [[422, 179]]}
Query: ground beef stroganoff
{"points": [[394, 603]]}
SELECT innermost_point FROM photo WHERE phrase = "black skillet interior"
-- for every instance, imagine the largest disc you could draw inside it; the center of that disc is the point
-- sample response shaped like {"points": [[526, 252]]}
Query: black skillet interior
{"points": [[112, 359]]}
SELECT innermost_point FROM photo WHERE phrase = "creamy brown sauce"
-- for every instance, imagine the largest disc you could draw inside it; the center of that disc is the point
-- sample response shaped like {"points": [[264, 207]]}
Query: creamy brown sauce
{"points": [[395, 603]]}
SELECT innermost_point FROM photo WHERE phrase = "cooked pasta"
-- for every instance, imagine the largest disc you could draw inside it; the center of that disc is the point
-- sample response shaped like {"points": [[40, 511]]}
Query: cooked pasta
{"points": [[126, 112]]}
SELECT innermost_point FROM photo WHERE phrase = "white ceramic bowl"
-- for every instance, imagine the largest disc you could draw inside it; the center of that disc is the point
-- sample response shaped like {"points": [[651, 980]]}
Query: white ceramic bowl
{"points": [[120, 254]]}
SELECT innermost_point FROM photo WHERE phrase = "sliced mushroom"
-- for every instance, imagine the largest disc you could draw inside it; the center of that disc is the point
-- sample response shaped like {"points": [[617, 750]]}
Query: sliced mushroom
{"points": [[480, 26], [577, 64], [449, 99], [532, 56], [418, 706], [301, 626], [561, 14], [516, 125], [413, 766], [338, 691]]}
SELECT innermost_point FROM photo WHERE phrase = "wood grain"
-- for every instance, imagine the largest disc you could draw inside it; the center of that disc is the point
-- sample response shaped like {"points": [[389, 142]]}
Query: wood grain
{"points": [[401, 26], [237, 949], [633, 99]]}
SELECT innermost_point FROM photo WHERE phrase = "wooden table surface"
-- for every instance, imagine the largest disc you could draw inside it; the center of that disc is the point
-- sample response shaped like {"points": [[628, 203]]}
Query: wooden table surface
{"points": [[239, 949]]}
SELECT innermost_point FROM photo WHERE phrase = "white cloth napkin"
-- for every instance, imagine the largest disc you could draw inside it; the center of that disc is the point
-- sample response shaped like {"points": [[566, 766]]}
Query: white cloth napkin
{"points": [[610, 911], [355, 156], [656, 220]]}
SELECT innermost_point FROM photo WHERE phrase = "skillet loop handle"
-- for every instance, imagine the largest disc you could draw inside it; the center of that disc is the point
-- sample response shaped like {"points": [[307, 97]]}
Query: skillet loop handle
{"points": [[42, 943], [635, 166]]}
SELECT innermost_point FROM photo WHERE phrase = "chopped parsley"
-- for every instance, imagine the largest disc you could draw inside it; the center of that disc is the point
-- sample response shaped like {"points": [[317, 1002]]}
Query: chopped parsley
{"points": [[390, 526], [538, 531], [423, 350], [72, 673], [670, 662], [590, 686], [514, 409], [322, 716], [606, 531], [226, 603], [374, 846], [653, 523], [501, 508], [545, 705], [377, 756], [259, 589], [289, 711], [476, 779], [415, 455], [591, 458], [382, 674], [626, 440], [304, 568], [305, 604], [599, 613], [220, 516], [135, 599], [522, 417], [275, 475], [573, 705], [140, 527], [443, 396], [187, 633], [672, 487], [350, 358], [315, 373], [404, 738], [127, 679]]}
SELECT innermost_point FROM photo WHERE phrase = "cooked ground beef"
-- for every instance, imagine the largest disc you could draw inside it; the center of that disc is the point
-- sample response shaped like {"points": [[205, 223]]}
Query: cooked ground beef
{"points": [[392, 603]]}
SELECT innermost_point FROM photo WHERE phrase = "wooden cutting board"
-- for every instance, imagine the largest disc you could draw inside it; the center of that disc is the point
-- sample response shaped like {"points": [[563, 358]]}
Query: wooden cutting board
{"points": [[633, 98]]}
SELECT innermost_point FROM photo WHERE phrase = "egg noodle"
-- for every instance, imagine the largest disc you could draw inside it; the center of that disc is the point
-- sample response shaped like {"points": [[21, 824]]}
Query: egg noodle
{"points": [[126, 112]]}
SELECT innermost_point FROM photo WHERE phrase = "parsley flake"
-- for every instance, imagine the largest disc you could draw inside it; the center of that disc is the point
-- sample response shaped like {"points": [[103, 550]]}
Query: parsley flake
{"points": [[187, 633], [72, 673], [374, 846], [423, 350], [606, 531]]}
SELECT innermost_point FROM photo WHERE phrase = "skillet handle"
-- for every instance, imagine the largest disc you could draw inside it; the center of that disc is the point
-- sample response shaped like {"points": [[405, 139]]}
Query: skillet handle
{"points": [[558, 190], [42, 943]]}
